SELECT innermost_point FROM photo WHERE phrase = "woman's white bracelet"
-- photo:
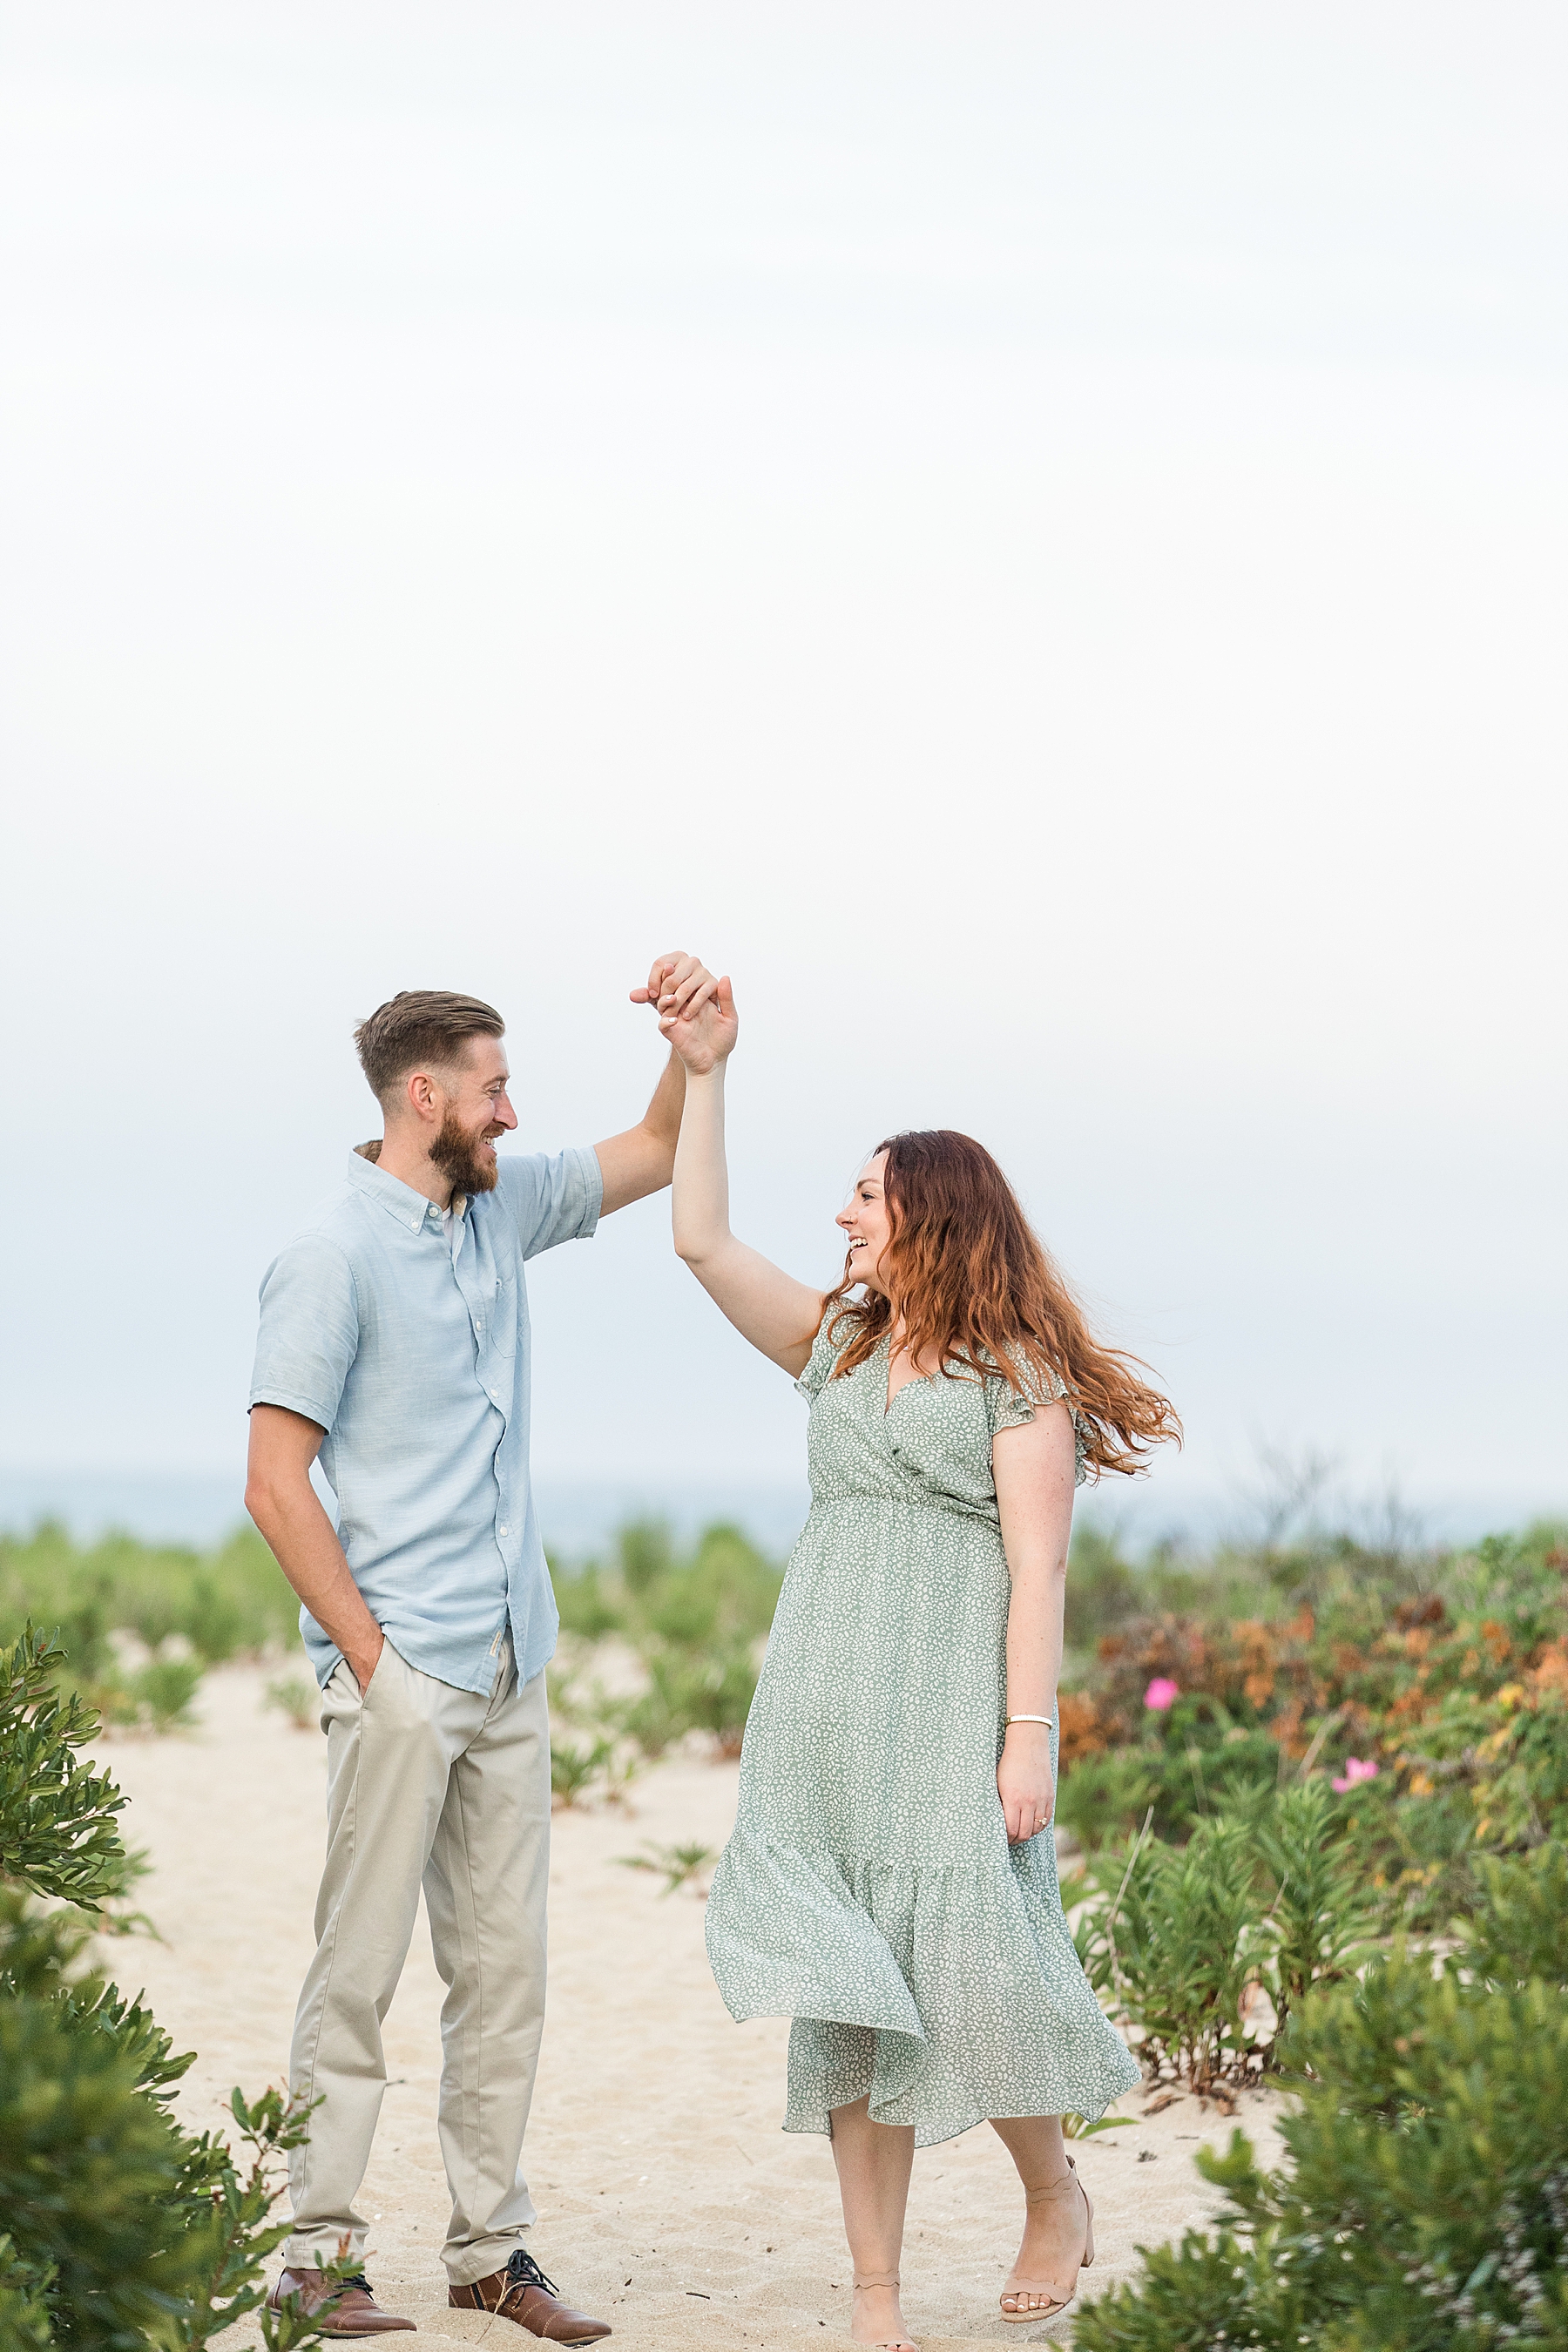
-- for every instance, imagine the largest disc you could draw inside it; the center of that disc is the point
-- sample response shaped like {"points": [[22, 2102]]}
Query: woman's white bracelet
{"points": [[1006, 1719]]}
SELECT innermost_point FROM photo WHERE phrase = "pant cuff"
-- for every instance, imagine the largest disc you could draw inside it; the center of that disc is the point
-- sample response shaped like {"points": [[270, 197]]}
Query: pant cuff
{"points": [[467, 2264], [314, 2250]]}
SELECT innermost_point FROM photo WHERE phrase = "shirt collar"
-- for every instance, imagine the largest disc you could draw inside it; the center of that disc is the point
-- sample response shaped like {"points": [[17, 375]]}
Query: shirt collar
{"points": [[390, 1193]]}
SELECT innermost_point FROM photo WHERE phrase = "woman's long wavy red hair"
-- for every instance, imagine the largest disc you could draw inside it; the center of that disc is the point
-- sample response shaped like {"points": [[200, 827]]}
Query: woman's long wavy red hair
{"points": [[974, 1289]]}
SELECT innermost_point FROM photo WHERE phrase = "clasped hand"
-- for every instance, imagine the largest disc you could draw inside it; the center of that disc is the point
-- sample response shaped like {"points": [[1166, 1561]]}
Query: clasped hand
{"points": [[696, 1011], [678, 984]]}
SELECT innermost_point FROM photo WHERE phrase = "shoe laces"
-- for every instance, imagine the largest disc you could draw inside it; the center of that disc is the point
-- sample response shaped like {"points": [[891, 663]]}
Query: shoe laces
{"points": [[359, 2279], [524, 2271]]}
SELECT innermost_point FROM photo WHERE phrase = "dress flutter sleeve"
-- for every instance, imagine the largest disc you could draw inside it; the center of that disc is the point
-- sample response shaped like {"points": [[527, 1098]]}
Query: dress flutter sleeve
{"points": [[825, 1354], [1007, 1409]]}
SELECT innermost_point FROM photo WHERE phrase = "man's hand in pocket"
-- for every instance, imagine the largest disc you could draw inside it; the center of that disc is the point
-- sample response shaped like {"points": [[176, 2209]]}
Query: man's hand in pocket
{"points": [[362, 1663]]}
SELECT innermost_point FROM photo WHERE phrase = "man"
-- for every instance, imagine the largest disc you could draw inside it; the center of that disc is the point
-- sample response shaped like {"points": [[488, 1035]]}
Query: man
{"points": [[394, 1344]]}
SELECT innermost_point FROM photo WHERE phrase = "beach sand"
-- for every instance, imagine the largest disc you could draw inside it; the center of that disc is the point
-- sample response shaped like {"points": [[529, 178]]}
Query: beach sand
{"points": [[669, 2202]]}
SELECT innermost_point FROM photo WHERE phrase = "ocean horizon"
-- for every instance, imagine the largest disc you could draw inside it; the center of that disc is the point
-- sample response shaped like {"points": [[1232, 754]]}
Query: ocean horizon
{"points": [[580, 1514]]}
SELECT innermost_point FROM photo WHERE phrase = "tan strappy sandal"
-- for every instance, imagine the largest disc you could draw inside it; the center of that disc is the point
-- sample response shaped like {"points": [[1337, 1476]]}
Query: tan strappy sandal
{"points": [[890, 2343], [1051, 2306]]}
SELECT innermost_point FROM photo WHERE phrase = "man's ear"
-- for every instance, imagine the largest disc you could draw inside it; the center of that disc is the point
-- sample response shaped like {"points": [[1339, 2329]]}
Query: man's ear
{"points": [[422, 1096]]}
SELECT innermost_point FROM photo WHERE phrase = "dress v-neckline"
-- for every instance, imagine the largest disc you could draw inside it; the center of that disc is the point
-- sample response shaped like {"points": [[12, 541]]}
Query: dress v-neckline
{"points": [[890, 1395]]}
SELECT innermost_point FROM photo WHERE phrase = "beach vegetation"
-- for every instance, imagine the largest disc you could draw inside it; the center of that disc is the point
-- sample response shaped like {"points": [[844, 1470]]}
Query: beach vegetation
{"points": [[136, 1624], [1321, 1790], [677, 1866], [694, 1623], [1429, 1695], [1318, 1787], [575, 1767], [298, 1696], [1204, 1950], [121, 2229], [1423, 2203]]}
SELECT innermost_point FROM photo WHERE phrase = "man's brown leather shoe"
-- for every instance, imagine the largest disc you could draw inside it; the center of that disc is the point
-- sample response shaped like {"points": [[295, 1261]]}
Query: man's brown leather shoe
{"points": [[521, 2292], [355, 2313]]}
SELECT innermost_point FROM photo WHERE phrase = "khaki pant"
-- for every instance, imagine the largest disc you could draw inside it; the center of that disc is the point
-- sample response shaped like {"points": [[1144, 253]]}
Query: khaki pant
{"points": [[427, 1785]]}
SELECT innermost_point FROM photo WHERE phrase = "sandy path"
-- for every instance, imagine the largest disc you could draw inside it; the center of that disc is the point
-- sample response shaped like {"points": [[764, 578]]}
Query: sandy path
{"points": [[669, 2201]]}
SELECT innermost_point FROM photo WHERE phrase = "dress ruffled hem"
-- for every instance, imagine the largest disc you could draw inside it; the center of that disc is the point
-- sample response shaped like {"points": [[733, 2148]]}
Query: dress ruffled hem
{"points": [[948, 1994]]}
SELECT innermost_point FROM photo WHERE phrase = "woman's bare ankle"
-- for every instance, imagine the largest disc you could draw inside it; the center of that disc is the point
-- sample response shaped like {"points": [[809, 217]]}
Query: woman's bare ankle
{"points": [[876, 2316]]}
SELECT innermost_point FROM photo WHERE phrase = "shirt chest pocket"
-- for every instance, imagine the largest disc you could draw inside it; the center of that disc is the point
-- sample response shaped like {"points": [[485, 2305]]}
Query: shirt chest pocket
{"points": [[501, 1314]]}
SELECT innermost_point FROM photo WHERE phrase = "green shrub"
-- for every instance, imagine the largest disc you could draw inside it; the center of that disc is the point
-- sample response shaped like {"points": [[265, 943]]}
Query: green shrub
{"points": [[122, 2229], [225, 1603], [1211, 2293], [676, 1865], [1520, 1926], [573, 1770], [646, 1553], [725, 1594], [1180, 1939], [746, 1585], [1103, 1588], [232, 1601], [216, 1620], [83, 1619], [1175, 1944], [57, 1832], [697, 1624], [165, 1689], [97, 2182], [23, 2313], [653, 1719], [1104, 1797], [711, 1693], [682, 1611], [1423, 2206], [585, 1607], [1319, 1925], [298, 1696], [1191, 1766]]}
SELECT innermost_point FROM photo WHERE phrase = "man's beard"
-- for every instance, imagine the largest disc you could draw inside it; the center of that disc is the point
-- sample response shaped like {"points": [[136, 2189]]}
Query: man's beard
{"points": [[457, 1155]]}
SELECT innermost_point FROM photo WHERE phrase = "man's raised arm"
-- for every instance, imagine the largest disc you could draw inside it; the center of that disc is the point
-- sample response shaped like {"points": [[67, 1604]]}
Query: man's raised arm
{"points": [[642, 1161]]}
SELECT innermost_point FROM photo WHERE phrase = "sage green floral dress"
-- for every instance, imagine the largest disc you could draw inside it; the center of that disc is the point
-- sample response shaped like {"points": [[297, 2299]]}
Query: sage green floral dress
{"points": [[869, 1891]]}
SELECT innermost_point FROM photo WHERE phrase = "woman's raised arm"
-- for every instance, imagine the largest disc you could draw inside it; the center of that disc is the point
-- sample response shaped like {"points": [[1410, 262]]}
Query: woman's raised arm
{"points": [[769, 1307]]}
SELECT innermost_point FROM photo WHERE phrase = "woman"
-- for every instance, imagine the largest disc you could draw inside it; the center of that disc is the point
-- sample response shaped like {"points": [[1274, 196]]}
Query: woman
{"points": [[891, 1883]]}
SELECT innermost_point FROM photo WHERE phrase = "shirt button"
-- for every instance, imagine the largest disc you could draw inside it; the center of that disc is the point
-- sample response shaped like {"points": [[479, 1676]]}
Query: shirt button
{"points": [[503, 1527]]}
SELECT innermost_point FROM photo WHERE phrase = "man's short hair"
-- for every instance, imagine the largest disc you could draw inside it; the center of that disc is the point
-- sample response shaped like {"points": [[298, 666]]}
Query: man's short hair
{"points": [[421, 1025]]}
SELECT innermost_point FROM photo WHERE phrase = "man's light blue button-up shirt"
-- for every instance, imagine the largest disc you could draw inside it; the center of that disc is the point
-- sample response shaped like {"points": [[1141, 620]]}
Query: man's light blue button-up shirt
{"points": [[404, 1334]]}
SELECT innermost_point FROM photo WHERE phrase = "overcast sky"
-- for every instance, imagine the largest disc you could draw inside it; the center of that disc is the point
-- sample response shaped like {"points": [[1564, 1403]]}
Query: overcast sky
{"points": [[1029, 535]]}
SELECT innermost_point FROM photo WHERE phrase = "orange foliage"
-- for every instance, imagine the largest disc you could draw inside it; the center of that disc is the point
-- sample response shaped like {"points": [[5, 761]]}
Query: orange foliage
{"points": [[1287, 1728], [1081, 1729], [1259, 1659], [1549, 1678]]}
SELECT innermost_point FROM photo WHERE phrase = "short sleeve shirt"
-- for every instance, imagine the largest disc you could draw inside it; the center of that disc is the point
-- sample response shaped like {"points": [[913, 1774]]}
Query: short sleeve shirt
{"points": [[404, 1334]]}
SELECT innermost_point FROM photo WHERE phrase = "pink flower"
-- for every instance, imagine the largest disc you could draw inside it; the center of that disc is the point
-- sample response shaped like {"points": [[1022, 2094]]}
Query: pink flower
{"points": [[1162, 1693], [1356, 1769]]}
